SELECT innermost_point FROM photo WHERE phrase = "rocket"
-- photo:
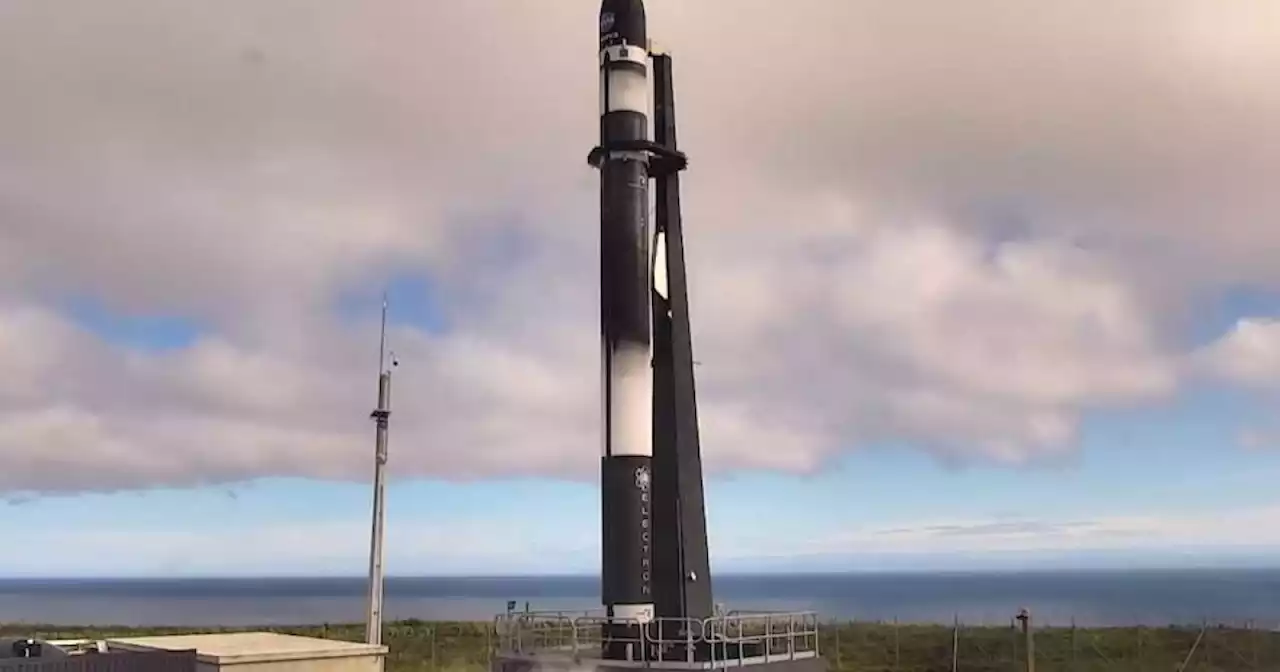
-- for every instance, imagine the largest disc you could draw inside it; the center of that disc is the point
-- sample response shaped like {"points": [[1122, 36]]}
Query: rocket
{"points": [[626, 286], [655, 566]]}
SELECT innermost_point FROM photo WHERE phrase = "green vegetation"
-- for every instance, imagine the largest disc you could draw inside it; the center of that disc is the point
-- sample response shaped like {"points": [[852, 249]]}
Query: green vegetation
{"points": [[848, 647]]}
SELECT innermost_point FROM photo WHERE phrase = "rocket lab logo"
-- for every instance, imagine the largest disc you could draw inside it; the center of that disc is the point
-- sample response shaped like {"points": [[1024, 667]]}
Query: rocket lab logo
{"points": [[606, 22], [642, 479]]}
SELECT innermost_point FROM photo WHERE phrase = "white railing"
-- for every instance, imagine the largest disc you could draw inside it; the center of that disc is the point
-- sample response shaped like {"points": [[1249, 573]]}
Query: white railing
{"points": [[733, 639]]}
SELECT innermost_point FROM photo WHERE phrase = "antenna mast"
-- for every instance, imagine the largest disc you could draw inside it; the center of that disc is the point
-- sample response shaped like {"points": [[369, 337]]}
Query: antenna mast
{"points": [[380, 415]]}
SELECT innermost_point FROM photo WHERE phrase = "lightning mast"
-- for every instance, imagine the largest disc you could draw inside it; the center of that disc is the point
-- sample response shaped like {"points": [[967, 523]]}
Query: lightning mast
{"points": [[380, 415]]}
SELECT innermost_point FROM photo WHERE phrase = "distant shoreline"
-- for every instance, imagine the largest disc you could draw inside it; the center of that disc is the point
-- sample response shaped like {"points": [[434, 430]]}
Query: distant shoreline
{"points": [[1092, 598], [731, 575]]}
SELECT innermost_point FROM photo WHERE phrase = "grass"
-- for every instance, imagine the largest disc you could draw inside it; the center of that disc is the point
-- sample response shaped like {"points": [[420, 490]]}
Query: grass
{"points": [[451, 646]]}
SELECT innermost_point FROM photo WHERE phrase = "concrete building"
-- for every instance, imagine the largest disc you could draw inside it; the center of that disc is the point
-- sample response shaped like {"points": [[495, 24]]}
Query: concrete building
{"points": [[252, 651]]}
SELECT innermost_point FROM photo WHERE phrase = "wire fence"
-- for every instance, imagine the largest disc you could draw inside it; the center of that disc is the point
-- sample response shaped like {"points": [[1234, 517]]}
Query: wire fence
{"points": [[1205, 647], [885, 646], [889, 646]]}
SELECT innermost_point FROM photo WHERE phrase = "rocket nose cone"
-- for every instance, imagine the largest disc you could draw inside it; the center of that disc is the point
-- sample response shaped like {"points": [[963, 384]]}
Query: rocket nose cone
{"points": [[622, 21]]}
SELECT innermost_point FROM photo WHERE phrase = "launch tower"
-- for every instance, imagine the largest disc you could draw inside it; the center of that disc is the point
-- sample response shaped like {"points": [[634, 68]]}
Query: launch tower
{"points": [[655, 573]]}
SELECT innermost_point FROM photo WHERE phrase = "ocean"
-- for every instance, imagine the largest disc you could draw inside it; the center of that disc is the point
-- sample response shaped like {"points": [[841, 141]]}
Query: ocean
{"points": [[1090, 598]]}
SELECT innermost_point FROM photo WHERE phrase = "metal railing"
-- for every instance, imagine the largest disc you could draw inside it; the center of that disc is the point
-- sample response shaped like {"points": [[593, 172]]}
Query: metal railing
{"points": [[732, 639], [775, 635]]}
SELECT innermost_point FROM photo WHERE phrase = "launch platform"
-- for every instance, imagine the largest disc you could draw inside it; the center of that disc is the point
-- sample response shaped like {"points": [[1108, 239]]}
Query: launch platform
{"points": [[553, 641]]}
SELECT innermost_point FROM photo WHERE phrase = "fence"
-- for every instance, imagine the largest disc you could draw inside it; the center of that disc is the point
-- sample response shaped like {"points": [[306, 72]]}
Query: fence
{"points": [[734, 638], [1206, 647], [888, 646], [902, 647]]}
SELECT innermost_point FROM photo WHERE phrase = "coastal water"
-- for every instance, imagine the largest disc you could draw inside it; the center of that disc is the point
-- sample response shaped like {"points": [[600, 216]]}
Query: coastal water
{"points": [[1090, 598]]}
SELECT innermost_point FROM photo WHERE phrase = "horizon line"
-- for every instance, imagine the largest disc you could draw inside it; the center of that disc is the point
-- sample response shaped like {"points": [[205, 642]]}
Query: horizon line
{"points": [[727, 574]]}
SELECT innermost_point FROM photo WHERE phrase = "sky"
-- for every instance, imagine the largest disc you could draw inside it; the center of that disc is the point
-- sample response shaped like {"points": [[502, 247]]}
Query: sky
{"points": [[974, 285]]}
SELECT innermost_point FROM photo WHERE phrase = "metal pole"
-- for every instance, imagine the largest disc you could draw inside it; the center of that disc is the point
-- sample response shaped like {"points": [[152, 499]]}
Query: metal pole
{"points": [[1194, 645], [897, 649], [1253, 642], [1029, 635], [373, 630], [955, 643]]}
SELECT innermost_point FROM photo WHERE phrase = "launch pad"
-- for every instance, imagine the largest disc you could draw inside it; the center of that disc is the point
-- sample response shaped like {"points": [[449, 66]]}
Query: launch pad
{"points": [[555, 641], [655, 570]]}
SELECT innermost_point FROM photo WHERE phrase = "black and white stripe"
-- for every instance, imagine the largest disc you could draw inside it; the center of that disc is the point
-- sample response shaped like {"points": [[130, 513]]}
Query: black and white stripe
{"points": [[626, 284]]}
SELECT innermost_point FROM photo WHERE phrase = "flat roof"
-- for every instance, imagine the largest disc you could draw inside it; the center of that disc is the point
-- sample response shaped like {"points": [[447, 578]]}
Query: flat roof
{"points": [[250, 647]]}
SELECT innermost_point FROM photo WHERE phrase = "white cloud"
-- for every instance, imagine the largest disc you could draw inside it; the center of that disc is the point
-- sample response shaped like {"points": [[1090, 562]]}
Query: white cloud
{"points": [[962, 227], [976, 352], [1249, 354], [905, 328], [511, 544], [1242, 528], [494, 546]]}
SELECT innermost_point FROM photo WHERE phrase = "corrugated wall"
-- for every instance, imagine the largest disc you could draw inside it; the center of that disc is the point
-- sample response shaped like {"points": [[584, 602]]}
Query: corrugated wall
{"points": [[140, 661]]}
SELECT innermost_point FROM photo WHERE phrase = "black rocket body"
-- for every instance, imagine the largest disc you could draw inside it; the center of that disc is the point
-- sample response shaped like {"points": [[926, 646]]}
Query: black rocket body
{"points": [[655, 564], [626, 286]]}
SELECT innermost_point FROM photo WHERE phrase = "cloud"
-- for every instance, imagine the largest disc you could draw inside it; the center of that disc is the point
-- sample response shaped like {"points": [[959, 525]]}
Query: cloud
{"points": [[979, 356], [1249, 354], [514, 544], [1239, 528], [959, 227], [1130, 133], [492, 546], [893, 328]]}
